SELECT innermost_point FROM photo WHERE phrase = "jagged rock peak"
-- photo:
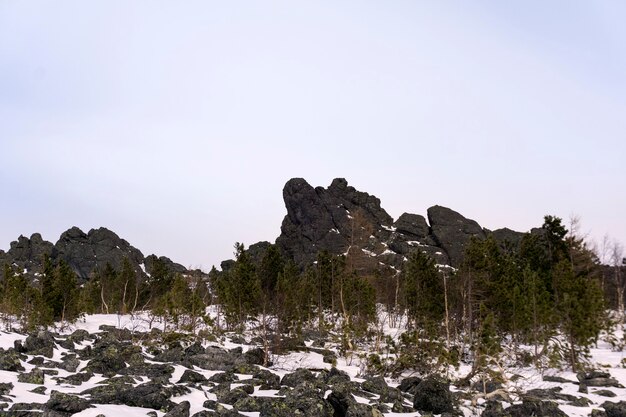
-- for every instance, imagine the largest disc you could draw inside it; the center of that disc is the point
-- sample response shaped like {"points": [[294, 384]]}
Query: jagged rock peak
{"points": [[340, 218], [84, 252], [322, 218]]}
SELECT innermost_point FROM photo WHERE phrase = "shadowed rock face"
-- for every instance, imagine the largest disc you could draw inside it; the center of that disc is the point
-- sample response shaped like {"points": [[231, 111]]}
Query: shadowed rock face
{"points": [[452, 231], [83, 252], [340, 218]]}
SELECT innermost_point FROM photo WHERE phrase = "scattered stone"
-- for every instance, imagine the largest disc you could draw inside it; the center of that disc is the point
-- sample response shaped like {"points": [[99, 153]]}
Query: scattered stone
{"points": [[39, 390], [75, 379], [181, 410], [409, 384], [10, 360], [298, 377], [614, 409], [193, 377], [605, 393], [66, 403], [376, 385], [255, 356], [36, 376], [433, 395], [535, 409], [598, 379], [41, 343], [5, 388], [560, 380]]}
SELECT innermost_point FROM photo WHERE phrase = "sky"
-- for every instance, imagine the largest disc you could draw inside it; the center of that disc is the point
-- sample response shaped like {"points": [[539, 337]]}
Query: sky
{"points": [[177, 124]]}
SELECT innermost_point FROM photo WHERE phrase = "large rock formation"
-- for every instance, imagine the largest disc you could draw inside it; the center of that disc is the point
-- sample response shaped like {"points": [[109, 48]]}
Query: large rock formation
{"points": [[340, 219], [83, 252]]}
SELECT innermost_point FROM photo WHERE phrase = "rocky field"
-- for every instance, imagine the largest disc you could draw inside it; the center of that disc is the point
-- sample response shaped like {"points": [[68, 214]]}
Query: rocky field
{"points": [[115, 366]]}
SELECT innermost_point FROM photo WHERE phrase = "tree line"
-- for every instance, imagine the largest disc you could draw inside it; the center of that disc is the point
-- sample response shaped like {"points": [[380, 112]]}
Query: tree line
{"points": [[57, 296], [549, 292]]}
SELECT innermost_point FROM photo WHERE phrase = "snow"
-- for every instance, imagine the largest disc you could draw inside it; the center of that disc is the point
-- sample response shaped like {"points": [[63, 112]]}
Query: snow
{"points": [[603, 356], [7, 340]]}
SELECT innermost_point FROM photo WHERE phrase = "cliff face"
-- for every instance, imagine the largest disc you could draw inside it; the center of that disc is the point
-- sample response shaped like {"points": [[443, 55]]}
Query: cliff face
{"points": [[340, 218], [83, 252]]}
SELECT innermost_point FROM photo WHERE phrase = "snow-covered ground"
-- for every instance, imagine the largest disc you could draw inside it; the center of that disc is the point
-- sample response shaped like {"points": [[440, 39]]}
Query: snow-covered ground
{"points": [[603, 357]]}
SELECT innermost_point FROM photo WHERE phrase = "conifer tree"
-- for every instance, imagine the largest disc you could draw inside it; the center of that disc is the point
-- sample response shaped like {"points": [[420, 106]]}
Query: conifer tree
{"points": [[423, 289]]}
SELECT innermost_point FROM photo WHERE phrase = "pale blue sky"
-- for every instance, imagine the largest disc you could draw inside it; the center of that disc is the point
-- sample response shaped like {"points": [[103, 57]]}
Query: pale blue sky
{"points": [[176, 124]]}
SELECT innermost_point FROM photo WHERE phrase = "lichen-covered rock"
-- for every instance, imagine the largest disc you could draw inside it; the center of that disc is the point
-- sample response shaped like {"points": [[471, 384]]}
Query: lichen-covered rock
{"points": [[193, 377], [299, 376], [304, 401], [10, 360], [41, 343], [180, 410], [615, 409], [36, 376], [434, 396], [66, 403], [598, 379]]}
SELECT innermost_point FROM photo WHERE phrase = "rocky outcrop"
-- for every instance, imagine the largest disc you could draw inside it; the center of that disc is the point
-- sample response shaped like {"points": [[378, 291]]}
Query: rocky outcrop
{"points": [[452, 231], [27, 254], [83, 252], [339, 219]]}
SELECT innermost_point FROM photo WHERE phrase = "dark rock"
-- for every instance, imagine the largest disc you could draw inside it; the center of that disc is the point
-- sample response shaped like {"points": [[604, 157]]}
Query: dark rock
{"points": [[247, 404], [320, 219], [268, 379], [412, 225], [39, 390], [222, 377], [345, 405], [148, 395], [433, 395], [66, 403], [298, 377], [76, 379], [560, 380], [605, 393], [507, 237], [598, 379], [36, 376], [210, 404], [181, 410], [80, 335], [27, 254], [614, 409], [70, 363], [37, 361], [217, 359], [255, 356], [41, 343], [160, 372], [452, 231], [204, 413], [232, 396], [85, 253], [5, 388], [334, 376], [192, 376], [10, 360], [376, 385], [531, 408], [409, 384], [304, 401]]}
